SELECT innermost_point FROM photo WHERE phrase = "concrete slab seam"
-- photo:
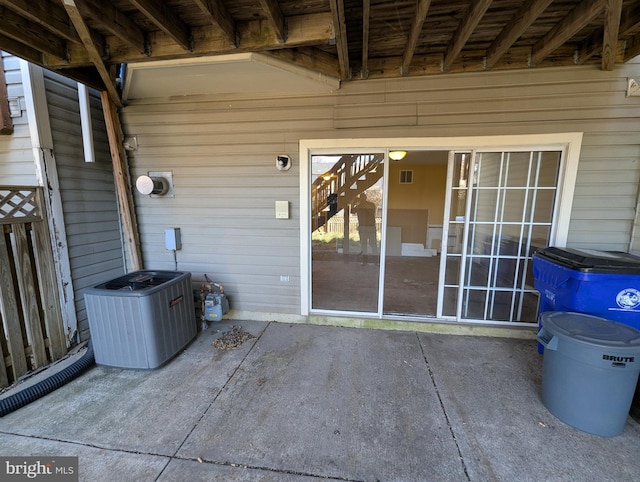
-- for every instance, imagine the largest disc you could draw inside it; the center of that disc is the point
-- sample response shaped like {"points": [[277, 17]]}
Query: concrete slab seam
{"points": [[265, 469], [174, 456], [444, 411], [84, 444]]}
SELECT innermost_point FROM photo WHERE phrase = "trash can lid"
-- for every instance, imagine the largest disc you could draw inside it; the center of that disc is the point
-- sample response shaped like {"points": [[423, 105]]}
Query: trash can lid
{"points": [[591, 329], [591, 260]]}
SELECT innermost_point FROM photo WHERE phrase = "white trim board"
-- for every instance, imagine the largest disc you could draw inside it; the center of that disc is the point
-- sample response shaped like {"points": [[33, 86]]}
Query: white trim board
{"points": [[570, 143], [47, 175]]}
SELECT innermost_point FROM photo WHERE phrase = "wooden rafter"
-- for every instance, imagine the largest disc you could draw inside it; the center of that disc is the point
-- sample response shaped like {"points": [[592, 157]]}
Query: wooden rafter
{"points": [[366, 19], [469, 22], [340, 30], [49, 15], [422, 8], [613, 11], [400, 38], [521, 20], [112, 20], [92, 50], [629, 22], [313, 59], [303, 31], [161, 15], [565, 29], [120, 173], [219, 17], [21, 50], [31, 34], [276, 18]]}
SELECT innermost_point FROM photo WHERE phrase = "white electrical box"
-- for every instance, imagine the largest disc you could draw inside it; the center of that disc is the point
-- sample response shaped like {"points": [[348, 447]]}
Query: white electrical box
{"points": [[282, 209], [172, 239]]}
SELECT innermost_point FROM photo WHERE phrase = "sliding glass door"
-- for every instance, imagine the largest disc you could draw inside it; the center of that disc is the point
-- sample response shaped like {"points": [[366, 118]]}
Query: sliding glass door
{"points": [[346, 221], [442, 233]]}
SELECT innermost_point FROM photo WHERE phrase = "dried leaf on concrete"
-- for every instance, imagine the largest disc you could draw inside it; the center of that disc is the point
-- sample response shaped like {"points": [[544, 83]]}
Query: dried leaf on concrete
{"points": [[232, 339]]}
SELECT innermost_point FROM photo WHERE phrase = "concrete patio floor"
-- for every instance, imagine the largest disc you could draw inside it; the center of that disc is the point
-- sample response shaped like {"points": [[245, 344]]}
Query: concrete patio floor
{"points": [[307, 402]]}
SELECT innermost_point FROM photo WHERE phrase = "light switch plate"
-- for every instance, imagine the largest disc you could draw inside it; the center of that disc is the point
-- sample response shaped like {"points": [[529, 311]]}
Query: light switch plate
{"points": [[282, 209]]}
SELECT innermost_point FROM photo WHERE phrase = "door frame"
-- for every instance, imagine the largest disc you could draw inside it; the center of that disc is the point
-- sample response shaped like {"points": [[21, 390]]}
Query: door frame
{"points": [[569, 143]]}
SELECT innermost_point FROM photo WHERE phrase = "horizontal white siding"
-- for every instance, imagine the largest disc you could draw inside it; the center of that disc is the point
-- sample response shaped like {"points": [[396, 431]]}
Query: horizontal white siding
{"points": [[17, 165], [222, 154], [87, 190]]}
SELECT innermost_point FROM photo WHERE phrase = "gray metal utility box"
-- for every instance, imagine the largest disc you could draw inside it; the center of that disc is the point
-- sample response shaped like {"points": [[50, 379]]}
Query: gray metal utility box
{"points": [[141, 319]]}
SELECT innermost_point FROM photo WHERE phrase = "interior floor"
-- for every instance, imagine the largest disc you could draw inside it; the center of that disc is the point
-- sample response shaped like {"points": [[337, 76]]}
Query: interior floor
{"points": [[350, 282]]}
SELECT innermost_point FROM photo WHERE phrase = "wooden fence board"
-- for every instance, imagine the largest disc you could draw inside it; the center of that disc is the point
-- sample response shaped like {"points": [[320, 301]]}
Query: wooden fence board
{"points": [[30, 311], [10, 314], [46, 270], [28, 295]]}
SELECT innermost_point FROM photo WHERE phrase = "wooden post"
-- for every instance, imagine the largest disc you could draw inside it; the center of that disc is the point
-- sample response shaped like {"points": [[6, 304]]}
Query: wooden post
{"points": [[120, 172]]}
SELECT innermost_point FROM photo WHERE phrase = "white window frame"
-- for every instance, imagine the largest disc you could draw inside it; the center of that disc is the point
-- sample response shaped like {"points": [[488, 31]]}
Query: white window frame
{"points": [[569, 143]]}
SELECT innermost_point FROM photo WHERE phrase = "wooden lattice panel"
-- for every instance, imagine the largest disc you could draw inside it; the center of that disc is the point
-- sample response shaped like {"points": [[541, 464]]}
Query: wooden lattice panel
{"points": [[18, 205], [31, 324]]}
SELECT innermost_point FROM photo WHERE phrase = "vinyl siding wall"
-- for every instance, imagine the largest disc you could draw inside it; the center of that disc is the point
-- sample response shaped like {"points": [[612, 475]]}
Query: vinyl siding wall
{"points": [[222, 150], [17, 166], [87, 190]]}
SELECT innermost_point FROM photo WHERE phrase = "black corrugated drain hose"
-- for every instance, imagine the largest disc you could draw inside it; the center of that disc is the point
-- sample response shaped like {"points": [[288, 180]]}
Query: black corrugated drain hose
{"points": [[48, 385]]}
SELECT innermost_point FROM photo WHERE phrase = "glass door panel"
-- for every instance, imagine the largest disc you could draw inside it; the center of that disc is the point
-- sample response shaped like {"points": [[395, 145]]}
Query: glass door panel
{"points": [[511, 207], [413, 241], [346, 220], [454, 232]]}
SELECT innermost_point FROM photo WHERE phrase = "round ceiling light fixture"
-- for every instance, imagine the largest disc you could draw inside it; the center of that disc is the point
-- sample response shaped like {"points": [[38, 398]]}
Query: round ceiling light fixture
{"points": [[397, 155]]}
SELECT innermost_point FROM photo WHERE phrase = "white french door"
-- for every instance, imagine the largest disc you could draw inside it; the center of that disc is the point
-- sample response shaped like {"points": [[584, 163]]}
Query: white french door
{"points": [[501, 207]]}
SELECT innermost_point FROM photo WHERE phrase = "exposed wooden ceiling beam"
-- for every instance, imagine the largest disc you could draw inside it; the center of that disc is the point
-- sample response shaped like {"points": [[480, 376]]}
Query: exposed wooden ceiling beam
{"points": [[51, 16], [31, 34], [629, 21], [161, 15], [21, 50], [340, 30], [276, 18], [304, 31], [366, 18], [580, 16], [310, 58], [219, 17], [422, 8], [521, 20], [612, 14], [469, 22], [114, 21], [92, 51]]}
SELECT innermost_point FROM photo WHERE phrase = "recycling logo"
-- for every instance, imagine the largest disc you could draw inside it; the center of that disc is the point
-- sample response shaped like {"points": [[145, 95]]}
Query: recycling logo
{"points": [[628, 298]]}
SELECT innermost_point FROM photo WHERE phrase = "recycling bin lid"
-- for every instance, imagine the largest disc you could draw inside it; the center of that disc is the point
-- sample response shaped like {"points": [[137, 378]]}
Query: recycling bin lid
{"points": [[591, 260], [591, 329]]}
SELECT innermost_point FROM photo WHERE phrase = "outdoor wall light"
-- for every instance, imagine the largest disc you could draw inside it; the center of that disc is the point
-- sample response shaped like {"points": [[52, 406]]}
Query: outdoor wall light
{"points": [[397, 155]]}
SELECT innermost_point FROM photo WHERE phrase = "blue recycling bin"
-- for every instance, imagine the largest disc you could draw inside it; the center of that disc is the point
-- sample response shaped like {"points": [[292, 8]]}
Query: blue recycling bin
{"points": [[600, 283]]}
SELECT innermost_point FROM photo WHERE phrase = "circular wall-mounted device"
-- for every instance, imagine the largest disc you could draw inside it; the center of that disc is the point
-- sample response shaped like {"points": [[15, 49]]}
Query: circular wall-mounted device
{"points": [[152, 185], [283, 162]]}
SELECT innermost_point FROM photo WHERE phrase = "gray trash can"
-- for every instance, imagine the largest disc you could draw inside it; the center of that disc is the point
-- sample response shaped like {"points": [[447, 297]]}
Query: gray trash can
{"points": [[589, 370]]}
